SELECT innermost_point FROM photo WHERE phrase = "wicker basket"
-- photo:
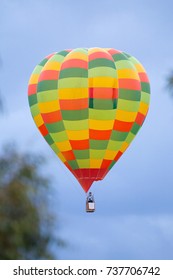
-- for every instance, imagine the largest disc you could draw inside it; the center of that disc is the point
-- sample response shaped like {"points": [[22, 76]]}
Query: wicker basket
{"points": [[90, 206]]}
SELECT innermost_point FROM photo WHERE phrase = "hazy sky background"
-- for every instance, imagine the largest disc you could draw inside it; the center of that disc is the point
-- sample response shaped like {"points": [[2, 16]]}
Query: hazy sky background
{"points": [[134, 215]]}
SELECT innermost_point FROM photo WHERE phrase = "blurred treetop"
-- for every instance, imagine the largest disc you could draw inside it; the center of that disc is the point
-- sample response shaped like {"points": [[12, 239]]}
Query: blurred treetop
{"points": [[26, 225], [169, 83]]}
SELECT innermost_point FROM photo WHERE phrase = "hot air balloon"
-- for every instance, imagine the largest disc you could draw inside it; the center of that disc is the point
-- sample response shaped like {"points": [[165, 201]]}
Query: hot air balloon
{"points": [[89, 105]]}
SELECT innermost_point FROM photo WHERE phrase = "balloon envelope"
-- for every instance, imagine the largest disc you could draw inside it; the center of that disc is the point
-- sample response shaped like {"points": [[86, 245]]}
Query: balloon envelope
{"points": [[89, 104]]}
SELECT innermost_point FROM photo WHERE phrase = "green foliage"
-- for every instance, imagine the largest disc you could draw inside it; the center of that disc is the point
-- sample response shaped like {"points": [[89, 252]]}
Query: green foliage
{"points": [[169, 83], [26, 225]]}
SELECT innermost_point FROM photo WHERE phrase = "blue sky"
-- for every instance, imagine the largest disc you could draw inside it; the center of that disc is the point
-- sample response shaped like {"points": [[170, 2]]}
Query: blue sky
{"points": [[134, 215]]}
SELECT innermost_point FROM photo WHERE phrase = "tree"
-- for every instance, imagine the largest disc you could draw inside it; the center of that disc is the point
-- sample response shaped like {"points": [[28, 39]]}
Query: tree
{"points": [[26, 225], [170, 83]]}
